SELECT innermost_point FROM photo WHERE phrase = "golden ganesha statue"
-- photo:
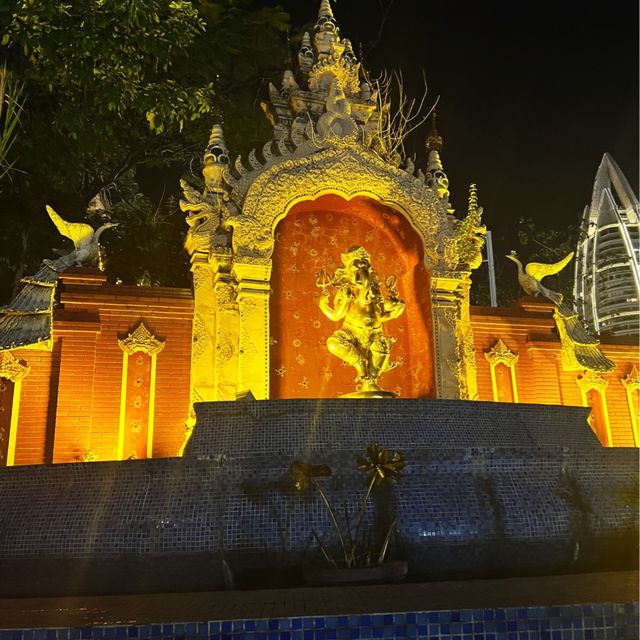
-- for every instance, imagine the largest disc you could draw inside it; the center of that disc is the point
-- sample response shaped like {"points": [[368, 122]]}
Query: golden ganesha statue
{"points": [[359, 302]]}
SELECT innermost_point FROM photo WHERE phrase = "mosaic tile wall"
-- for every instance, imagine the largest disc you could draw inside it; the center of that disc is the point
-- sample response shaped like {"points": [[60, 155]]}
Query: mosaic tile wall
{"points": [[487, 487], [327, 425], [575, 622]]}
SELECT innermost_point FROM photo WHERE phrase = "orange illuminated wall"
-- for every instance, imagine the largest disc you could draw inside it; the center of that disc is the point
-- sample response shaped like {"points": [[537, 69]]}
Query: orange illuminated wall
{"points": [[311, 237], [6, 406], [70, 408], [528, 330], [67, 406]]}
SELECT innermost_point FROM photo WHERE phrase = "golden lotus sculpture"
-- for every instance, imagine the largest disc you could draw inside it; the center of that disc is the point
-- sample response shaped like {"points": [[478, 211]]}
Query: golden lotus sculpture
{"points": [[359, 302]]}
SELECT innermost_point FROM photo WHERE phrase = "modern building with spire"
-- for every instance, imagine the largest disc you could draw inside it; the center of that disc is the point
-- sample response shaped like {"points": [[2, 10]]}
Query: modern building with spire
{"points": [[607, 272]]}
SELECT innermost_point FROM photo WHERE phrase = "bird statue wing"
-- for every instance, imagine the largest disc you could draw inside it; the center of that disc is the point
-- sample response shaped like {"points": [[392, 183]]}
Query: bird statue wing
{"points": [[538, 270], [79, 232]]}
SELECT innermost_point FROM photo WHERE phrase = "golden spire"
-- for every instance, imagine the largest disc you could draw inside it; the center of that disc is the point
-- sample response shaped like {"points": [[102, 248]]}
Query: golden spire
{"points": [[348, 54], [436, 178], [327, 39], [326, 21], [473, 198], [216, 159], [306, 55], [325, 10], [434, 139], [306, 41], [217, 147]]}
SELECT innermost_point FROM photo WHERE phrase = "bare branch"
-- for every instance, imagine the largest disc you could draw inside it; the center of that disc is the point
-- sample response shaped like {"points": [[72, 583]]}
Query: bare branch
{"points": [[398, 115], [384, 11]]}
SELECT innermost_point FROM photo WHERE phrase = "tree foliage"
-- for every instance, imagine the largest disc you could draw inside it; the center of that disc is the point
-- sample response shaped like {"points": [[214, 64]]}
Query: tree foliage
{"points": [[10, 110], [100, 58], [120, 97]]}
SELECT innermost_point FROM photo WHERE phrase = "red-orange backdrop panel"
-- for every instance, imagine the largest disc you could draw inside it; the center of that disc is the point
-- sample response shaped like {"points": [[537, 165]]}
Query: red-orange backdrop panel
{"points": [[311, 237]]}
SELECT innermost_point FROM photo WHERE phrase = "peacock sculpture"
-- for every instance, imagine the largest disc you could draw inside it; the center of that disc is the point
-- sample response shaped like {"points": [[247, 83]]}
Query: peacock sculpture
{"points": [[27, 321], [530, 276], [580, 350], [85, 239]]}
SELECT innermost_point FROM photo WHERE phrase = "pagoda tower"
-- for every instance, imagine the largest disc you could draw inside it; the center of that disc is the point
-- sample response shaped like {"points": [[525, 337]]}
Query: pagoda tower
{"points": [[607, 274]]}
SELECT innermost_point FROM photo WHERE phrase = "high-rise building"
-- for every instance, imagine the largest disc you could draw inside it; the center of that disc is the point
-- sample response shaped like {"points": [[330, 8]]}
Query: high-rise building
{"points": [[607, 274]]}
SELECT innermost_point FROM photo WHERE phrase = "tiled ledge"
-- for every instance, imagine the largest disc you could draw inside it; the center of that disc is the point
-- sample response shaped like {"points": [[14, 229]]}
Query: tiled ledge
{"points": [[539, 598]]}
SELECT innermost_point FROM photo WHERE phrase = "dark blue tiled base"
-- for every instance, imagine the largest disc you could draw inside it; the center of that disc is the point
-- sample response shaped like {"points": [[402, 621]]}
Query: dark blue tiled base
{"points": [[574, 622], [489, 490]]}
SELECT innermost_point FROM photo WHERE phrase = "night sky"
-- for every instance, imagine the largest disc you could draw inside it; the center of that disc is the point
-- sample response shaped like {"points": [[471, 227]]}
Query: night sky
{"points": [[531, 94]]}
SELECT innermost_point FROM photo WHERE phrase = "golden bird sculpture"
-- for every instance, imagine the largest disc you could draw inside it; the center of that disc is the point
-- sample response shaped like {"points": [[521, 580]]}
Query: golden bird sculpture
{"points": [[530, 276], [579, 349], [85, 241]]}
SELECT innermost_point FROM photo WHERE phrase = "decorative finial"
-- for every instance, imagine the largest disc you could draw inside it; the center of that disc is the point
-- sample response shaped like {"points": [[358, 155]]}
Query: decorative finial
{"points": [[434, 139], [325, 10], [365, 91], [289, 83], [217, 148], [216, 159], [306, 55], [348, 54], [473, 198], [436, 178], [326, 21]]}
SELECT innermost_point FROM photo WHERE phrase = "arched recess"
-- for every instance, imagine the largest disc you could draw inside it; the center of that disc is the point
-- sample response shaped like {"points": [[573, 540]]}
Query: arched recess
{"points": [[312, 236], [502, 363]]}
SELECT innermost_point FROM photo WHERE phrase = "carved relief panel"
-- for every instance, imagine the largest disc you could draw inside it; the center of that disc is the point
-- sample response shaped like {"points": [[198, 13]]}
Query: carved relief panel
{"points": [[593, 388], [140, 349], [502, 362], [12, 372]]}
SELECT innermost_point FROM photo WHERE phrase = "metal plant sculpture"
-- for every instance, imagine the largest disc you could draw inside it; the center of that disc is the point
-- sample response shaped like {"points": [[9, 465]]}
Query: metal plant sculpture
{"points": [[382, 466]]}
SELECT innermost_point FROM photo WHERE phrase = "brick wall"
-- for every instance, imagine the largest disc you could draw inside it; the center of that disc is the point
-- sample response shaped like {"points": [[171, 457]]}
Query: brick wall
{"points": [[70, 403], [528, 330], [37, 407]]}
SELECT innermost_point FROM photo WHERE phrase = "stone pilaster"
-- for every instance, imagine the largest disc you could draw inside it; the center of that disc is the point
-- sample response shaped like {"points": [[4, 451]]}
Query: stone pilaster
{"points": [[203, 345], [466, 348], [226, 325], [453, 340], [253, 281]]}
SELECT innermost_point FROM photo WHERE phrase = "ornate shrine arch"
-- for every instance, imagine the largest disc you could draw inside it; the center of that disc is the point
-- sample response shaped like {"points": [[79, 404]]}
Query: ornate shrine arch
{"points": [[233, 287], [344, 171]]}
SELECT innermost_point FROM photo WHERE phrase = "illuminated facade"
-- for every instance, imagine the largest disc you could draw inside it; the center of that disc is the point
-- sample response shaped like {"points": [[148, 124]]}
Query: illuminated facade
{"points": [[113, 372], [607, 275]]}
